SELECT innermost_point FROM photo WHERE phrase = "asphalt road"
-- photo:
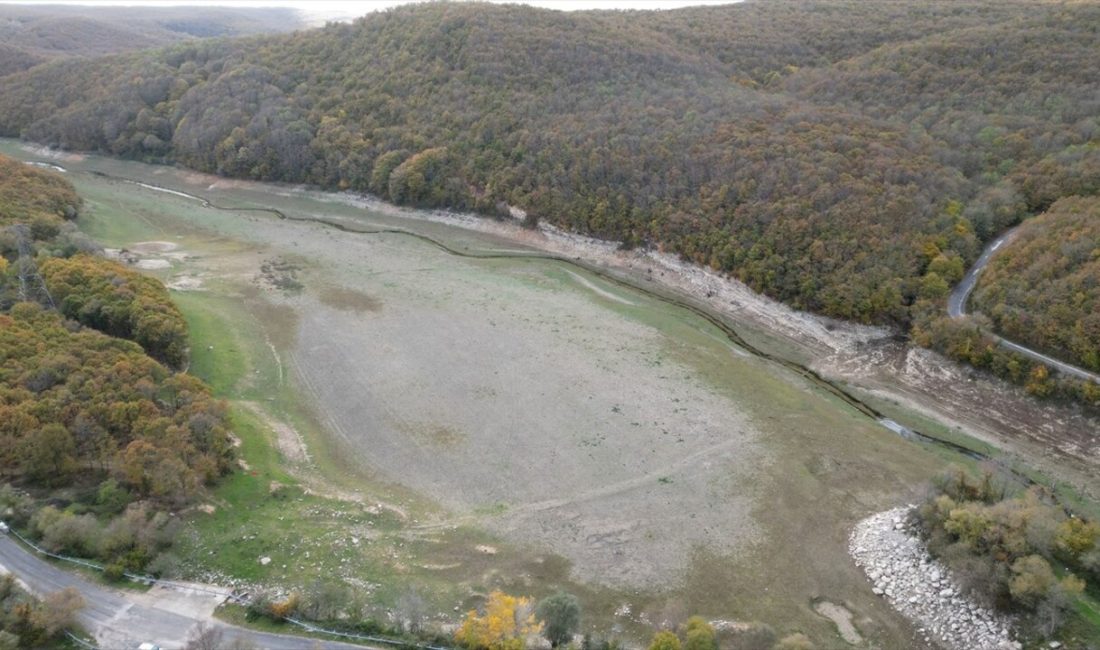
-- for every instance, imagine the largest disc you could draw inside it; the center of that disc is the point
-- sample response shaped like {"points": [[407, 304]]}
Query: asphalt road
{"points": [[956, 308], [122, 620]]}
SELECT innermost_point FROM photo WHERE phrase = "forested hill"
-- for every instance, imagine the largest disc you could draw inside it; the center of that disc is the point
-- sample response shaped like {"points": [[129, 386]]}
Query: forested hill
{"points": [[817, 151], [107, 439], [33, 34], [1043, 289]]}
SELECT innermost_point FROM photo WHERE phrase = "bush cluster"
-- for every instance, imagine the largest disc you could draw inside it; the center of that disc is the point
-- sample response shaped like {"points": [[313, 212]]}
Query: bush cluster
{"points": [[1020, 553]]}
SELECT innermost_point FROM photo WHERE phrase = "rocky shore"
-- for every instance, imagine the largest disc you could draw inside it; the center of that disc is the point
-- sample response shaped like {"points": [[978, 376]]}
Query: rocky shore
{"points": [[922, 588]]}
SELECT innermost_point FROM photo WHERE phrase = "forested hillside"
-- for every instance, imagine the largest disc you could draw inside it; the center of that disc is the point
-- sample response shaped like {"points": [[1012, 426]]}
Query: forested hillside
{"points": [[30, 34], [28, 196], [115, 300], [845, 157], [1044, 289], [88, 419]]}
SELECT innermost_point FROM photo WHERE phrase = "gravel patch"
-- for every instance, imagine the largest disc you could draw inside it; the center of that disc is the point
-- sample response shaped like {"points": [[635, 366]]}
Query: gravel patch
{"points": [[922, 588], [152, 264]]}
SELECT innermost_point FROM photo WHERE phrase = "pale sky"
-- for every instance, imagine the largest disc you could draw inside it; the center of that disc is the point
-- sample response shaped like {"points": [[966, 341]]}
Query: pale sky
{"points": [[319, 11]]}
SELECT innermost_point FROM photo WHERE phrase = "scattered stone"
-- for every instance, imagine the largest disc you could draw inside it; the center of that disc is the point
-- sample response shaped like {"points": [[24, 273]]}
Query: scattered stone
{"points": [[922, 589], [265, 560]]}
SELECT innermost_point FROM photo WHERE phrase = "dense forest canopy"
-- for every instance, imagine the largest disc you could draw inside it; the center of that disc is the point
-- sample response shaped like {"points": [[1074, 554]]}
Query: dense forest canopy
{"points": [[35, 198], [83, 400], [113, 299], [1043, 290], [846, 157]]}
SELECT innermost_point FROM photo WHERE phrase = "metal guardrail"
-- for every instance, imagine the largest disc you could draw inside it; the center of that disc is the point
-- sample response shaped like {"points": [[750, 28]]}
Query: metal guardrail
{"points": [[81, 642], [232, 596], [363, 637], [136, 577]]}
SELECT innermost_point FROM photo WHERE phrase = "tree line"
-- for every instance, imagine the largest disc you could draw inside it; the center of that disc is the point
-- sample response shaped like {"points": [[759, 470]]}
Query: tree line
{"points": [[115, 300], [849, 160], [104, 439]]}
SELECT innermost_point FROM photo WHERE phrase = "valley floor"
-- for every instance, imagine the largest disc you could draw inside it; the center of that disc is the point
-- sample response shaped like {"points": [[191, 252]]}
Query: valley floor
{"points": [[410, 419]]}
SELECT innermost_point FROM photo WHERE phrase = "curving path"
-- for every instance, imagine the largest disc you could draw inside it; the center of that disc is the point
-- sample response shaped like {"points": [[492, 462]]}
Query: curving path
{"points": [[956, 308]]}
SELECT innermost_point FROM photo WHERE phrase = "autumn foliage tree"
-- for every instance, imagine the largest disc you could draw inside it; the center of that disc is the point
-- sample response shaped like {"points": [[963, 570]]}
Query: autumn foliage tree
{"points": [[505, 624], [113, 299]]}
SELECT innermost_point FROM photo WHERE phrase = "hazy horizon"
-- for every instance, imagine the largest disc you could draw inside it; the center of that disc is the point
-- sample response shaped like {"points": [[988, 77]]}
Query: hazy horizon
{"points": [[319, 12]]}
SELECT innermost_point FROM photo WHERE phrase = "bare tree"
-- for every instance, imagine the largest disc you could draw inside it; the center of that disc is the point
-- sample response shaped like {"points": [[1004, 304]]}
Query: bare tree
{"points": [[59, 610], [205, 637], [411, 610]]}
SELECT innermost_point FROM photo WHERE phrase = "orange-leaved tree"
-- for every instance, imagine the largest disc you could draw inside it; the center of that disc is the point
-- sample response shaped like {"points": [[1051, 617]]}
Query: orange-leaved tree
{"points": [[505, 625]]}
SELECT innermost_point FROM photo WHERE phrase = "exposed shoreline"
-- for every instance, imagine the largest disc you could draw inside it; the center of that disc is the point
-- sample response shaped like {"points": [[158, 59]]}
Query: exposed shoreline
{"points": [[921, 588]]}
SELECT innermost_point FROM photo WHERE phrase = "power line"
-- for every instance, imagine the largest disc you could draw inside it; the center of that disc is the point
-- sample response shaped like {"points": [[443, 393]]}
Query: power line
{"points": [[30, 280]]}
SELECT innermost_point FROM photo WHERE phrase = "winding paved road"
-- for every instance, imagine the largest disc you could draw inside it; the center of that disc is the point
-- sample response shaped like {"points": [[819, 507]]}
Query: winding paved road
{"points": [[956, 308], [121, 620]]}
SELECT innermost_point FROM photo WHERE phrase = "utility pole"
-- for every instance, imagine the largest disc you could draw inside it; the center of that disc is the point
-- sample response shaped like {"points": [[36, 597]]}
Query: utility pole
{"points": [[30, 280]]}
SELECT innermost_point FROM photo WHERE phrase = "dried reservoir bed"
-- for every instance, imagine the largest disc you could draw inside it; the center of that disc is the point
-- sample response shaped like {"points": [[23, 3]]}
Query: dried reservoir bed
{"points": [[556, 411]]}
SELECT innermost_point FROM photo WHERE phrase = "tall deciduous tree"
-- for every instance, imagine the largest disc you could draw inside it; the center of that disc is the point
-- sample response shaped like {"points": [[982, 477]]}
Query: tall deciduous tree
{"points": [[505, 624], [561, 615]]}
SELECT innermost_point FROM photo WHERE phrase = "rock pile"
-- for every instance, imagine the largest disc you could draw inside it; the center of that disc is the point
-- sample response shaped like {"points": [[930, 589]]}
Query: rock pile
{"points": [[922, 588]]}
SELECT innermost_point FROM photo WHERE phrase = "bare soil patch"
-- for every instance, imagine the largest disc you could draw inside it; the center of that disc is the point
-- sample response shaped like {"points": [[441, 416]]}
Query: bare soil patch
{"points": [[287, 439], [532, 408], [152, 264], [348, 299], [842, 618], [152, 247]]}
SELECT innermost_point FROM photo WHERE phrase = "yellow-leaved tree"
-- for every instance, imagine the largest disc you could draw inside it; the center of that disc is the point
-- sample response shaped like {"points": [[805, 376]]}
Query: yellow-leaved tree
{"points": [[505, 625]]}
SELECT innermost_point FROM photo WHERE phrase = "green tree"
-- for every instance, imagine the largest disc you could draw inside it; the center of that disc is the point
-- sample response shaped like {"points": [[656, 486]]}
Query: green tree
{"points": [[665, 640], [699, 635], [1032, 579], [47, 455], [561, 615], [796, 641]]}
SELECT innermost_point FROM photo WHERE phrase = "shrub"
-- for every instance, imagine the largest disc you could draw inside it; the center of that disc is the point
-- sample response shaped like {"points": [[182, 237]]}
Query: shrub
{"points": [[114, 572], [665, 640]]}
